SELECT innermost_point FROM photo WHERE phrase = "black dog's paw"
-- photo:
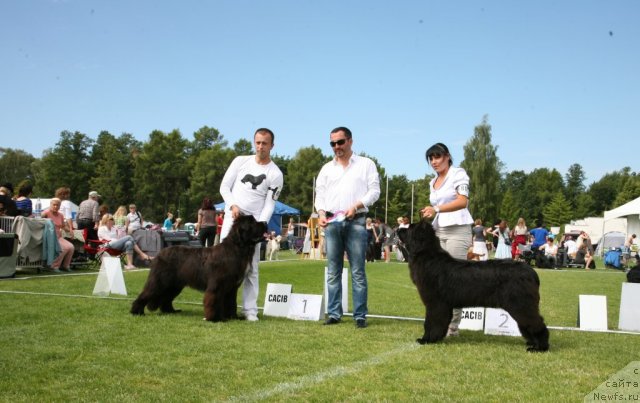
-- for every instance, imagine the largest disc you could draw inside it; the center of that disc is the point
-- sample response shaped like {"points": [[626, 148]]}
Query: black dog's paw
{"points": [[422, 341], [536, 350]]}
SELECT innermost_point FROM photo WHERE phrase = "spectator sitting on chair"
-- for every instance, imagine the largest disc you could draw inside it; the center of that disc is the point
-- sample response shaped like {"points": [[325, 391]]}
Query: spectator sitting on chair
{"points": [[63, 261], [539, 234], [550, 254], [571, 246], [23, 202], [107, 232]]}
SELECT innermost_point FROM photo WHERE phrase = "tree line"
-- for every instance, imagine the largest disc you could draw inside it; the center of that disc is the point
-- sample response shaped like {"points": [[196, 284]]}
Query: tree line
{"points": [[171, 173]]}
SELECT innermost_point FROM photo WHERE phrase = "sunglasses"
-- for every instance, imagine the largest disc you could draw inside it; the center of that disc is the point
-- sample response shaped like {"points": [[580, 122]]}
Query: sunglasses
{"points": [[337, 143]]}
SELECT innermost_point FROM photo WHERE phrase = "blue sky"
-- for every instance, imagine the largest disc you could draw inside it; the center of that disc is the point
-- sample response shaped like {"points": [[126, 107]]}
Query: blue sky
{"points": [[559, 80]]}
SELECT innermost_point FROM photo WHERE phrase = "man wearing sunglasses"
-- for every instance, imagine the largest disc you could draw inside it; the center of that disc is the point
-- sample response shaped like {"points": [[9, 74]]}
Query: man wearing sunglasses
{"points": [[345, 187]]}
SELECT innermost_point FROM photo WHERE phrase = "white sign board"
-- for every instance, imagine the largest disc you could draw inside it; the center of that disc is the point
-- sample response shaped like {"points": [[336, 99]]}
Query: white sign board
{"points": [[110, 278], [305, 307], [499, 323], [592, 312], [345, 290], [472, 319], [277, 300], [629, 311]]}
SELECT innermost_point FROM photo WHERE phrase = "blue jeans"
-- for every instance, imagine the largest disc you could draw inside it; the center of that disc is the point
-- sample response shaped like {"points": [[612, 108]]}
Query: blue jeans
{"points": [[346, 236], [124, 244]]}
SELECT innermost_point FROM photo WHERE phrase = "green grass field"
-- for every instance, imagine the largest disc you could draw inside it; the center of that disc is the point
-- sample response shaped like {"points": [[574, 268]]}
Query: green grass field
{"points": [[60, 343]]}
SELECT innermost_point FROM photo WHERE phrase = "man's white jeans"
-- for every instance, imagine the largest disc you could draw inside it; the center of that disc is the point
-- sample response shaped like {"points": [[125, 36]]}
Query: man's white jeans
{"points": [[250, 285]]}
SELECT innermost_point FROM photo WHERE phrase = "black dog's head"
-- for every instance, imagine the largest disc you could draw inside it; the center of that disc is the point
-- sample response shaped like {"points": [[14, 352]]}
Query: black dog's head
{"points": [[419, 238], [247, 230]]}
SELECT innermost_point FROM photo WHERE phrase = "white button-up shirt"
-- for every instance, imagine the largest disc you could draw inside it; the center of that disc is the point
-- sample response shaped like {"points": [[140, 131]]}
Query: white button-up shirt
{"points": [[339, 188]]}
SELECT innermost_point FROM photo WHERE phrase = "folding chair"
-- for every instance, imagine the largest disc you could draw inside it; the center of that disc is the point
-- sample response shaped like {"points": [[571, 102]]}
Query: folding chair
{"points": [[95, 248]]}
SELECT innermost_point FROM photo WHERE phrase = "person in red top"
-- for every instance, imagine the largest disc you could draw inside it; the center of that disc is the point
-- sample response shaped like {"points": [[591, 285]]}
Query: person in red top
{"points": [[63, 261], [219, 220]]}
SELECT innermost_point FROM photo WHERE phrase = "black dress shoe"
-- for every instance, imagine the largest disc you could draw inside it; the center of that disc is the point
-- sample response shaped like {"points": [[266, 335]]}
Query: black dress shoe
{"points": [[361, 323], [332, 321]]}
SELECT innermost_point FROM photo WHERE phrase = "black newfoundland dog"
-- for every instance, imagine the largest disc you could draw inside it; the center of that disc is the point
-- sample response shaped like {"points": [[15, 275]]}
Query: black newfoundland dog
{"points": [[445, 283], [218, 271]]}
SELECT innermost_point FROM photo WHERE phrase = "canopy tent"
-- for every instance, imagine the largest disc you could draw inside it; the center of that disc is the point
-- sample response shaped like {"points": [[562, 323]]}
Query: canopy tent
{"points": [[275, 224], [630, 211], [611, 240]]}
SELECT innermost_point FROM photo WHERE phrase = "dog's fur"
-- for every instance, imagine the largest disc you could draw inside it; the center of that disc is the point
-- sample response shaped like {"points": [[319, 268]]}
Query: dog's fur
{"points": [[445, 283], [273, 246], [218, 271]]}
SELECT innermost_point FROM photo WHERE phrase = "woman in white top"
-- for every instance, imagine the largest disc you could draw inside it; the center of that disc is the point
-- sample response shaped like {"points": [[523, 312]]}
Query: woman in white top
{"points": [[449, 200], [107, 232], [519, 237]]}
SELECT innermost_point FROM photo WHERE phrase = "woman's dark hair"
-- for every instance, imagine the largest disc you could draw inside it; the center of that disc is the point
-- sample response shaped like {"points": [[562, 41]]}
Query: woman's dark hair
{"points": [[25, 190], [437, 150], [207, 204]]}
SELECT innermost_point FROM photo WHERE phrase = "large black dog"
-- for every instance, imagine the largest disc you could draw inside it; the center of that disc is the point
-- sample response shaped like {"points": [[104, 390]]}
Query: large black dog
{"points": [[218, 271], [445, 283]]}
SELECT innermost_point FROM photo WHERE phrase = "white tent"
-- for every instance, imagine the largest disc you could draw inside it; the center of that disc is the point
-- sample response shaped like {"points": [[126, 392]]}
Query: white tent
{"points": [[596, 226], [630, 211]]}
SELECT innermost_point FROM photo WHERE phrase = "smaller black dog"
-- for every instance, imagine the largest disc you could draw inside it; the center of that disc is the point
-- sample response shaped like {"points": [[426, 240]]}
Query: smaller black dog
{"points": [[445, 283], [254, 180], [218, 271]]}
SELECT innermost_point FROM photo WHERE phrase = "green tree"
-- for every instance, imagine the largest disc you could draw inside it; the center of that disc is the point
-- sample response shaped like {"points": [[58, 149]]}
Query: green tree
{"points": [[604, 192], [161, 175], [558, 211], [584, 206], [630, 190], [483, 167], [243, 147], [303, 169], [399, 197], [509, 210], [574, 184], [113, 161], [206, 176], [67, 164], [15, 166], [421, 193], [539, 189]]}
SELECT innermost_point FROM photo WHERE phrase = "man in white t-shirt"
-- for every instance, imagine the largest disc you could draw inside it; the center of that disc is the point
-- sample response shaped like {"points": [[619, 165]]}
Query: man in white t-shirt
{"points": [[251, 186]]}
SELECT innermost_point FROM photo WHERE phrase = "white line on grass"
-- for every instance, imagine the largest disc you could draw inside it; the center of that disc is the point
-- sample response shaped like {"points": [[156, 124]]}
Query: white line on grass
{"points": [[322, 376], [261, 308]]}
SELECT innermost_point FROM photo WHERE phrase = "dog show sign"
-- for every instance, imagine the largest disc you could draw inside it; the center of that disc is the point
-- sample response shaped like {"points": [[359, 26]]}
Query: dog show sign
{"points": [[629, 302], [592, 312], [472, 319], [110, 278], [278, 300], [305, 307], [498, 322], [345, 289]]}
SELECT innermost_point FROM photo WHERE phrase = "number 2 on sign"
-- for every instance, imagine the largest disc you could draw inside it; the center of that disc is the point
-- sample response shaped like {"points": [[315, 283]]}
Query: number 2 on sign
{"points": [[504, 323]]}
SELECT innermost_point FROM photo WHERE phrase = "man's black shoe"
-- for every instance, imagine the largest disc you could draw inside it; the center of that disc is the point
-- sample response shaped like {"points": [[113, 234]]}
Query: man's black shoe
{"points": [[332, 321], [361, 323]]}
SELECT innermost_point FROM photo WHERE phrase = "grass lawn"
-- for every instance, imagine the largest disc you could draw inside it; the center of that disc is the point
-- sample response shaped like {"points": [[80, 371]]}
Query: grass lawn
{"points": [[59, 343]]}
